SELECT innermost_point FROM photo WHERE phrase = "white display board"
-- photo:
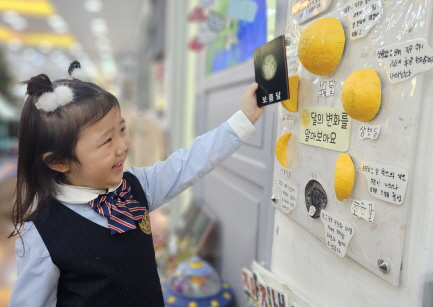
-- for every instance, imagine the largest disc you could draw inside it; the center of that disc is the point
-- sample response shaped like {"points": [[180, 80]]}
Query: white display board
{"points": [[383, 150]]}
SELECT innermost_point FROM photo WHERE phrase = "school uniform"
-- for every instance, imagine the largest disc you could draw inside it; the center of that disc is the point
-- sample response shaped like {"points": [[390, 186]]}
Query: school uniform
{"points": [[69, 258]]}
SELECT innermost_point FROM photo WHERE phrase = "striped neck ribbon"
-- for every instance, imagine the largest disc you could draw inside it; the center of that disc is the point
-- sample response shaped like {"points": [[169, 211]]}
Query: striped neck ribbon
{"points": [[120, 209]]}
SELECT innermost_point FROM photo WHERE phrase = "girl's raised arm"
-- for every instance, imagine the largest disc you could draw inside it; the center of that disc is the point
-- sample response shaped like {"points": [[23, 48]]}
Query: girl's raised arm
{"points": [[165, 180]]}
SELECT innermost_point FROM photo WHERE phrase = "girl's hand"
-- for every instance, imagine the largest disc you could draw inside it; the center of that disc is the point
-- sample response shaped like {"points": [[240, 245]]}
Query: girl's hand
{"points": [[249, 104]]}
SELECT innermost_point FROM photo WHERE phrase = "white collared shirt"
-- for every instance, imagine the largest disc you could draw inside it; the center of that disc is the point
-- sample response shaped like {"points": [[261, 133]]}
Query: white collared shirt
{"points": [[78, 195]]}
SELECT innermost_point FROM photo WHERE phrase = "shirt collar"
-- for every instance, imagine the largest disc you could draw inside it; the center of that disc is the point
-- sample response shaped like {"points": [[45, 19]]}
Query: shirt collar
{"points": [[79, 195]]}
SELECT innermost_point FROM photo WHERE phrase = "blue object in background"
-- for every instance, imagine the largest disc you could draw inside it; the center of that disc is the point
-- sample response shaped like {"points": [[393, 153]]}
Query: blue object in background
{"points": [[196, 284], [250, 35]]}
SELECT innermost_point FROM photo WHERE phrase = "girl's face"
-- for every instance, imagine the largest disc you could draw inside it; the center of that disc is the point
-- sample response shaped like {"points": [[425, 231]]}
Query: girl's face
{"points": [[101, 149]]}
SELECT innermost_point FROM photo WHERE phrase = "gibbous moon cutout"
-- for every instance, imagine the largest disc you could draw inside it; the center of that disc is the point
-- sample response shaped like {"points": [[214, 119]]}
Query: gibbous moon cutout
{"points": [[281, 148], [362, 94], [291, 104], [321, 46], [344, 177]]}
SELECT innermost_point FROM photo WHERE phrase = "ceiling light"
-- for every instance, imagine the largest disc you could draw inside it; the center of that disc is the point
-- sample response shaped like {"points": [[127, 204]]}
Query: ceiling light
{"points": [[14, 44], [57, 23], [85, 60], [93, 6], [64, 65], [108, 66], [19, 24], [28, 54], [61, 30], [14, 20], [105, 49], [98, 26], [10, 16], [60, 59], [57, 56], [45, 46], [103, 40], [38, 59], [76, 49]]}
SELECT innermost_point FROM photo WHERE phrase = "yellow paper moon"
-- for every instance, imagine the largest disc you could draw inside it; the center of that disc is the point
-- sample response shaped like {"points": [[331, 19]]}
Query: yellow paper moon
{"points": [[291, 104], [281, 148], [362, 94], [344, 177], [321, 46]]}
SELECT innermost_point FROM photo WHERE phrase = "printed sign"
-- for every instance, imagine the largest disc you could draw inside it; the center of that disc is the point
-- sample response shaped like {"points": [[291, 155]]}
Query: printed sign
{"points": [[285, 172], [404, 60], [337, 233], [276, 298], [325, 127], [363, 209], [246, 285], [303, 10], [289, 195], [292, 60], [327, 87], [249, 283], [369, 131], [289, 119], [261, 294], [385, 182], [363, 16], [269, 295]]}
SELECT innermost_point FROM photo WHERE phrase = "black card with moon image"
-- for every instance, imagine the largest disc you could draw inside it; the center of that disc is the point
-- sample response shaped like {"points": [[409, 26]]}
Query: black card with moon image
{"points": [[270, 68]]}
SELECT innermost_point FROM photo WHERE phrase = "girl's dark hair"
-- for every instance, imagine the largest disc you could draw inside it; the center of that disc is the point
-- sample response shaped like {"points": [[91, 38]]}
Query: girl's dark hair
{"points": [[55, 132]]}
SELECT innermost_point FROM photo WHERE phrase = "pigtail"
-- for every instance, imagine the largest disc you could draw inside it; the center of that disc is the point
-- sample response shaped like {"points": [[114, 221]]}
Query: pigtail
{"points": [[32, 135], [38, 85], [74, 65], [76, 72], [49, 98]]}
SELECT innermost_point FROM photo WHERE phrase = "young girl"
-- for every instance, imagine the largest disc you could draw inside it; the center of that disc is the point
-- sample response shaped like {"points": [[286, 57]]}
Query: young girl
{"points": [[84, 221]]}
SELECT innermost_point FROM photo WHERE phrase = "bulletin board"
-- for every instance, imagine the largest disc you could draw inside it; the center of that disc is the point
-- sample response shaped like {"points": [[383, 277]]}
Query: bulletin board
{"points": [[389, 36]]}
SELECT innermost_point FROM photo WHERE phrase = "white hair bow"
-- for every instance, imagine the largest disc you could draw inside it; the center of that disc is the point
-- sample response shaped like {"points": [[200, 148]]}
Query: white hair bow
{"points": [[80, 74], [50, 101]]}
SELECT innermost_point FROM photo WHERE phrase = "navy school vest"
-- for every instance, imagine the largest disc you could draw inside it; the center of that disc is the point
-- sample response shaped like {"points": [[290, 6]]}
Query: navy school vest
{"points": [[98, 269]]}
